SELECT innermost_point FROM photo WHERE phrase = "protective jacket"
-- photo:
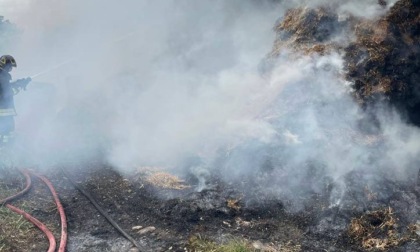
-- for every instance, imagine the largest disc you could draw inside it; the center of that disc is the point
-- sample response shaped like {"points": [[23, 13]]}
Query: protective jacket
{"points": [[7, 91]]}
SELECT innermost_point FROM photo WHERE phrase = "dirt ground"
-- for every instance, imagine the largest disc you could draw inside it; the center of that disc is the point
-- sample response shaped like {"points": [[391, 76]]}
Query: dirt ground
{"points": [[173, 215]]}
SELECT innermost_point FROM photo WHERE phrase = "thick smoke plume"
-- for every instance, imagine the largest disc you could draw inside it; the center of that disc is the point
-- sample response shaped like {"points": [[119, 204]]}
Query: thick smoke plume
{"points": [[358, 8], [157, 83]]}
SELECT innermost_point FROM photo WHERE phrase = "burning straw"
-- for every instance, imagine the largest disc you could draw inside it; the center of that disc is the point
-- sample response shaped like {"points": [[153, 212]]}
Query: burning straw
{"points": [[157, 177], [166, 180], [377, 230]]}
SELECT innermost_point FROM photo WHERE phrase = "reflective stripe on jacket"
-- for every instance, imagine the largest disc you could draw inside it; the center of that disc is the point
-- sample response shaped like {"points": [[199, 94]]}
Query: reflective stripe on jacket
{"points": [[7, 112]]}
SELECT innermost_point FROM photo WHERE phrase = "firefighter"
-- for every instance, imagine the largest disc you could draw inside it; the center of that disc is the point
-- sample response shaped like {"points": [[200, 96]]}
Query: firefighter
{"points": [[7, 90]]}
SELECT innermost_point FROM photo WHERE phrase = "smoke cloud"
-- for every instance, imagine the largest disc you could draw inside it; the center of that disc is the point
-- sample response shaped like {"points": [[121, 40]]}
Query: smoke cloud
{"points": [[160, 82], [359, 8]]}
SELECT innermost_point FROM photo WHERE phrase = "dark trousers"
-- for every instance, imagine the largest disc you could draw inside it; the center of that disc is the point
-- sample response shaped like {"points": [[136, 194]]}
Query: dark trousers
{"points": [[7, 125]]}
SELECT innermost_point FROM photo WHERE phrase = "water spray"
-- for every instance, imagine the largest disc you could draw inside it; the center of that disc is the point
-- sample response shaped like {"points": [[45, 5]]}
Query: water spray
{"points": [[115, 41], [52, 68]]}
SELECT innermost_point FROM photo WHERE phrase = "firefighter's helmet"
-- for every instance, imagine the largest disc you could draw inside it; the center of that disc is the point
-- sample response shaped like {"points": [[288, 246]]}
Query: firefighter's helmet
{"points": [[7, 59]]}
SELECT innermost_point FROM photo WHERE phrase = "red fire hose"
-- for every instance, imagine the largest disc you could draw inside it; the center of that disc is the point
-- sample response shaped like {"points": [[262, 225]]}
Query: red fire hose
{"points": [[37, 223], [40, 225], [28, 186], [63, 240]]}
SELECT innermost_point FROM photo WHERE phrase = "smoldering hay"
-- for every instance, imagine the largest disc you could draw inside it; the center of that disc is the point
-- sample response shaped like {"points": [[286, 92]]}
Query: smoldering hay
{"points": [[192, 82]]}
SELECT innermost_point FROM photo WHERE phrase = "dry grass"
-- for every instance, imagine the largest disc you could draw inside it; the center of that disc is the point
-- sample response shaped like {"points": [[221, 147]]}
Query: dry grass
{"points": [[300, 24], [321, 49], [372, 32], [234, 204], [377, 230], [167, 181], [158, 177], [377, 43], [290, 247]]}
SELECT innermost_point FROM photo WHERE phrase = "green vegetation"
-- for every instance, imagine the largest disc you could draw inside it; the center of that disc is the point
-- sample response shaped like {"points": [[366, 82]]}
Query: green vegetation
{"points": [[199, 244], [13, 229]]}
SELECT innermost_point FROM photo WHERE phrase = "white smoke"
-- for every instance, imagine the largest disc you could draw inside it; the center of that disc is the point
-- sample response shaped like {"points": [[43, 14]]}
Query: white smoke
{"points": [[150, 80], [368, 9], [158, 82]]}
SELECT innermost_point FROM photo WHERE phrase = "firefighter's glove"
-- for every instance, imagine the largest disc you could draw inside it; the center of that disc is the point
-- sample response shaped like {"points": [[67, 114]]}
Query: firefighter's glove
{"points": [[23, 83]]}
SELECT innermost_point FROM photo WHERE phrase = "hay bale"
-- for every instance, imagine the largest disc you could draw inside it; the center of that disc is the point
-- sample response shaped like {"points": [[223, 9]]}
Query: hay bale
{"points": [[382, 61]]}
